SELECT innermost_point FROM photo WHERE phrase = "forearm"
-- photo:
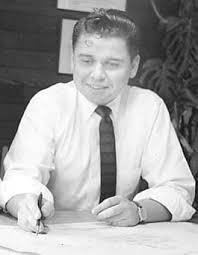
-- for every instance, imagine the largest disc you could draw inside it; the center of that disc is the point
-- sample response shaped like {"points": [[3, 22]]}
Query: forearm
{"points": [[155, 211]]}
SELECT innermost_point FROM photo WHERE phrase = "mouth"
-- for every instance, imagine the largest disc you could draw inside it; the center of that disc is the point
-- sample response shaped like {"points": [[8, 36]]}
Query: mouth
{"points": [[96, 87]]}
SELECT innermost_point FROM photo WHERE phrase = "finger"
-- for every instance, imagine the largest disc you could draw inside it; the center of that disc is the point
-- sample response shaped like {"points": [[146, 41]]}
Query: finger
{"points": [[115, 219], [121, 223], [107, 203], [28, 225], [43, 229], [128, 217], [109, 212], [47, 209], [25, 226], [32, 204], [29, 213], [26, 220]]}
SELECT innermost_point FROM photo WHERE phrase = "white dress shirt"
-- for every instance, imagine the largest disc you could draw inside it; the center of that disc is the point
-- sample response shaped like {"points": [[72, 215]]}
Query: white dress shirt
{"points": [[56, 151]]}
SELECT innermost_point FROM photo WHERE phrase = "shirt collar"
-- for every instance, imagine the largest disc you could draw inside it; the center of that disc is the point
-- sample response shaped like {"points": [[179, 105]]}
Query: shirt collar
{"points": [[114, 105], [88, 108], [85, 106]]}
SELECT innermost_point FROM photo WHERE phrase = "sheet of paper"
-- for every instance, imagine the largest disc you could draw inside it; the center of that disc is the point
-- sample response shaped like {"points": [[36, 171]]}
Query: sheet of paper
{"points": [[65, 54], [88, 5], [98, 238]]}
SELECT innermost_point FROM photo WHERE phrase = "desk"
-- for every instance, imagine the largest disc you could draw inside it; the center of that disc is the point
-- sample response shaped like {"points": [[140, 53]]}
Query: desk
{"points": [[77, 233]]}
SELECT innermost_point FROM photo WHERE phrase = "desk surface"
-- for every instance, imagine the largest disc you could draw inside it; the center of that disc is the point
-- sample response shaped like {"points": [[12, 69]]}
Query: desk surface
{"points": [[77, 233], [60, 217]]}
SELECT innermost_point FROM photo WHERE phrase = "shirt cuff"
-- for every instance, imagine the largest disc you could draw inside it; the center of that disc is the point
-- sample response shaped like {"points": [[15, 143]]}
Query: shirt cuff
{"points": [[22, 185], [180, 208]]}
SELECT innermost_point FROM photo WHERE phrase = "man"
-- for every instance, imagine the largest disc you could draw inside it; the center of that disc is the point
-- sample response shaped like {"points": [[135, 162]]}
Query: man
{"points": [[57, 150]]}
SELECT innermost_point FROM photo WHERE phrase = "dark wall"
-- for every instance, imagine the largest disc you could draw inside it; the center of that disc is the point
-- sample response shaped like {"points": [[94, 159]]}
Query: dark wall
{"points": [[29, 41], [29, 50], [151, 34]]}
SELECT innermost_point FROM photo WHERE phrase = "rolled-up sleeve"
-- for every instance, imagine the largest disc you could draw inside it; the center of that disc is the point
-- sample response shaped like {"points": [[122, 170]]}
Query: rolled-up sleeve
{"points": [[30, 158], [165, 169]]}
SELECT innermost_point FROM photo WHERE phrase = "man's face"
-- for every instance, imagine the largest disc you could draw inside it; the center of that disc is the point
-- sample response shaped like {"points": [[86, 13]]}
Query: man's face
{"points": [[101, 67]]}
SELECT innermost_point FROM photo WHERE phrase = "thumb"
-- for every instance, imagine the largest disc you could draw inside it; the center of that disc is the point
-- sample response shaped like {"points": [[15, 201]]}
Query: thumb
{"points": [[47, 209], [31, 202]]}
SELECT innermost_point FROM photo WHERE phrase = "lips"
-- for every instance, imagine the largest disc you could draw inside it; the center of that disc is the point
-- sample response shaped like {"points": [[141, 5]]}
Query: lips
{"points": [[97, 87]]}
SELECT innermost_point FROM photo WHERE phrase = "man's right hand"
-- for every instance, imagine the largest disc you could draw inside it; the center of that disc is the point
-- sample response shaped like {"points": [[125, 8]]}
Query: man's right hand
{"points": [[25, 208]]}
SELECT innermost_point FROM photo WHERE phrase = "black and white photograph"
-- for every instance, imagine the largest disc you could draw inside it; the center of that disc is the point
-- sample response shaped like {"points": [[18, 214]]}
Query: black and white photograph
{"points": [[99, 127]]}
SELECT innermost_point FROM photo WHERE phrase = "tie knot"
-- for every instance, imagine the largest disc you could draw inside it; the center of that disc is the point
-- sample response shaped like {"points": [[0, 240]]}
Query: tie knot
{"points": [[103, 111]]}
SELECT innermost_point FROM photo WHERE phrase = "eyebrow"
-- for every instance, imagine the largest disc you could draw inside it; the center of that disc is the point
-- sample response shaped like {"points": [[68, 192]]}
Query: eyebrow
{"points": [[85, 55], [118, 60]]}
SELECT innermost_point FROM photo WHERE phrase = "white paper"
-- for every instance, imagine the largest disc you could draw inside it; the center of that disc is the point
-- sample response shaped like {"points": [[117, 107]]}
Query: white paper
{"points": [[98, 238], [89, 5], [65, 54]]}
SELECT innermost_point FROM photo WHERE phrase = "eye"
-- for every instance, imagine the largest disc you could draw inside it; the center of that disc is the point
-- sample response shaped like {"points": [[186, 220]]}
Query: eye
{"points": [[112, 65], [86, 61]]}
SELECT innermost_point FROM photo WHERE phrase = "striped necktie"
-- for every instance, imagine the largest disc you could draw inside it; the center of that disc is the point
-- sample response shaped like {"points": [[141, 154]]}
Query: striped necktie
{"points": [[107, 153]]}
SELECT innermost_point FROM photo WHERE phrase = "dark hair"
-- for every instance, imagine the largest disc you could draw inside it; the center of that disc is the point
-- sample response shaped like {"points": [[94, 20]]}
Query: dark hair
{"points": [[108, 23]]}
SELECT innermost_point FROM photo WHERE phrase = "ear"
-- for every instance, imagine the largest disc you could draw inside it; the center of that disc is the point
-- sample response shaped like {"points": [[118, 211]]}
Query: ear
{"points": [[72, 61], [135, 65]]}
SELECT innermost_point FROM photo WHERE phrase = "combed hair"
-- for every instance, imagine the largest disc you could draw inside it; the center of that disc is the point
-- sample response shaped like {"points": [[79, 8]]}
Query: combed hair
{"points": [[108, 23]]}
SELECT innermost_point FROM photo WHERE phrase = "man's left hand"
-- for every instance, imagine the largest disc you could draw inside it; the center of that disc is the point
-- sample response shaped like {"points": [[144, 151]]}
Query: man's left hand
{"points": [[117, 211]]}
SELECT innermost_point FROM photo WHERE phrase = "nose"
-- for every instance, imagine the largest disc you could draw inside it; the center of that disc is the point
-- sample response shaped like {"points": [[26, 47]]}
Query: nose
{"points": [[98, 72]]}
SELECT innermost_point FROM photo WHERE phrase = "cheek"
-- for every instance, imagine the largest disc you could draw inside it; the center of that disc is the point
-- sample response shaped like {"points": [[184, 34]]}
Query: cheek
{"points": [[120, 78], [81, 73]]}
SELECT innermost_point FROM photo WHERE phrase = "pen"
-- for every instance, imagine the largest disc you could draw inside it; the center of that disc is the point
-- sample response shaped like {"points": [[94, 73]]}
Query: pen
{"points": [[40, 198]]}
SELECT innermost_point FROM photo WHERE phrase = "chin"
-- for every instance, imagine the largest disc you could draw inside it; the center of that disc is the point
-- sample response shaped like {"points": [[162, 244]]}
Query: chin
{"points": [[98, 97], [97, 101], [102, 101]]}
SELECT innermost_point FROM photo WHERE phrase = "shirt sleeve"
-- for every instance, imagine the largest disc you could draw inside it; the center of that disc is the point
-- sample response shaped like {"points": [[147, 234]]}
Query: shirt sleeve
{"points": [[30, 158], [165, 169]]}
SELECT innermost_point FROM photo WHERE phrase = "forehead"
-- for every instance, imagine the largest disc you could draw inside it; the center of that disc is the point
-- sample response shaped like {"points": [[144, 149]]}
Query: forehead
{"points": [[95, 44]]}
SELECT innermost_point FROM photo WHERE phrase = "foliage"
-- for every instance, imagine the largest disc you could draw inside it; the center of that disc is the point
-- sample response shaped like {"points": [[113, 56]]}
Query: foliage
{"points": [[175, 77]]}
